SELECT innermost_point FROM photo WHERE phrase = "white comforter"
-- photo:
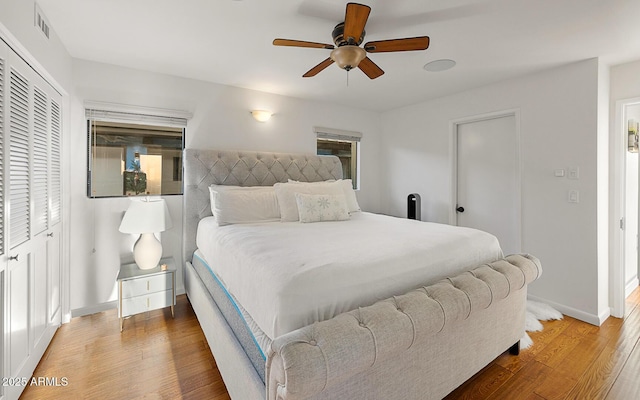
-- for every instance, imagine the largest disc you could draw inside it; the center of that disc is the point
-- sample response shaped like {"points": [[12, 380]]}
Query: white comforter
{"points": [[289, 274]]}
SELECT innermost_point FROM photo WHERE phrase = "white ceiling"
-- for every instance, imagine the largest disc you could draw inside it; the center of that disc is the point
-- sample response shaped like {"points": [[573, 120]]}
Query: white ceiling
{"points": [[229, 41]]}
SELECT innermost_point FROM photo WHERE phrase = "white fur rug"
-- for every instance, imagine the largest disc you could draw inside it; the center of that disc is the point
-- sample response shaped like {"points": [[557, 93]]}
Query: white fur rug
{"points": [[536, 312]]}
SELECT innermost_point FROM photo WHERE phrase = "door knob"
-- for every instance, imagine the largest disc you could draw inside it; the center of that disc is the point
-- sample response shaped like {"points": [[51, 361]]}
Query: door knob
{"points": [[460, 209]]}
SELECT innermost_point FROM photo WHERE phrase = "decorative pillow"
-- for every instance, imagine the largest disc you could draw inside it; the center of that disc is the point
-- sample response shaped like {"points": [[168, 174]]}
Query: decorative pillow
{"points": [[243, 205], [285, 193], [347, 187], [321, 207]]}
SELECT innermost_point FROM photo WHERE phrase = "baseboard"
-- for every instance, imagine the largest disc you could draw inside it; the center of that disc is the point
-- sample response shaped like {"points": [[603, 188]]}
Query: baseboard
{"points": [[79, 312], [592, 319], [631, 286]]}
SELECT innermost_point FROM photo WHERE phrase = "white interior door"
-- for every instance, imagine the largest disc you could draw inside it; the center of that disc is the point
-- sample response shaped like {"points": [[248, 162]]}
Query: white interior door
{"points": [[487, 187]]}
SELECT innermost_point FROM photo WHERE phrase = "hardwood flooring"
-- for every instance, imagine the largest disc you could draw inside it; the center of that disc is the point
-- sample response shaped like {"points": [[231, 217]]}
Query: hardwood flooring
{"points": [[157, 357], [569, 359]]}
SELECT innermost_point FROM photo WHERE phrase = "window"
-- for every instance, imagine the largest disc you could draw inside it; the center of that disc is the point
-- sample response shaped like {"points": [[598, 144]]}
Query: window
{"points": [[134, 154], [346, 146]]}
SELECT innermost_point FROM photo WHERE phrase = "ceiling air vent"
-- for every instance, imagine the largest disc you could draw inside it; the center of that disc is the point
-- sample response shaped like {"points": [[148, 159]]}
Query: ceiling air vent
{"points": [[41, 22]]}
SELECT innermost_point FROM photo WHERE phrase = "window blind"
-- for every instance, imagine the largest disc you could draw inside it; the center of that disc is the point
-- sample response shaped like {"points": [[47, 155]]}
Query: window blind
{"points": [[131, 114], [337, 134]]}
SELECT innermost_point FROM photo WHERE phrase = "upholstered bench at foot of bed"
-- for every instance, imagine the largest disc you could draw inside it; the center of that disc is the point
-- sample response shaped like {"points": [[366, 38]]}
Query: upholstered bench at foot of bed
{"points": [[419, 345]]}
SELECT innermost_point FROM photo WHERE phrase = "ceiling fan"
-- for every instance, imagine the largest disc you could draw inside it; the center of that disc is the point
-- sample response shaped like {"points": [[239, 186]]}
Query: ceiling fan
{"points": [[348, 36]]}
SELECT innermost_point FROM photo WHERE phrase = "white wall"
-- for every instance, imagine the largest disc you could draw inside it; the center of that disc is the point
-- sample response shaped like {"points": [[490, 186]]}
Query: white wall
{"points": [[17, 22], [625, 81], [603, 225], [404, 151], [559, 129], [221, 119]]}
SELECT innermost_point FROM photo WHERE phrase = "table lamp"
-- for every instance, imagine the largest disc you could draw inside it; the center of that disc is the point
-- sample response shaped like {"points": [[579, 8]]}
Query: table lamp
{"points": [[146, 216]]}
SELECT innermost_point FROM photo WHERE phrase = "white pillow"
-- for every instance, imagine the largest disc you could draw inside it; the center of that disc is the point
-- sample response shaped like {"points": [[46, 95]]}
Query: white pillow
{"points": [[321, 207], [350, 195], [312, 183], [287, 200], [243, 205], [347, 187]]}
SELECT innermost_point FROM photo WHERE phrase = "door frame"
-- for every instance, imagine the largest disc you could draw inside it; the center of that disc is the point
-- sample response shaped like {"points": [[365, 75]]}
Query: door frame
{"points": [[618, 204], [453, 156]]}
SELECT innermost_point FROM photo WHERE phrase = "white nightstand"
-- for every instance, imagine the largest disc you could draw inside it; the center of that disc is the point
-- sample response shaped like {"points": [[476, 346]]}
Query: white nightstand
{"points": [[145, 290]]}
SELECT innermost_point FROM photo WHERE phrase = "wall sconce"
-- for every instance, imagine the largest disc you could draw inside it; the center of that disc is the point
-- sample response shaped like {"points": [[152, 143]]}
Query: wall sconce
{"points": [[261, 115]]}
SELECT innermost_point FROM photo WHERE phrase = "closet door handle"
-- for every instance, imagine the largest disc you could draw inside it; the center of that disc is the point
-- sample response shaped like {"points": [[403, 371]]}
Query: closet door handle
{"points": [[14, 257], [50, 234], [460, 209]]}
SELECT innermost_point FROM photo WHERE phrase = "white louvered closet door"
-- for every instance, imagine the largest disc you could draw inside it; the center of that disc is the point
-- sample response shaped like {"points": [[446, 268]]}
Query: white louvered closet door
{"points": [[4, 350], [19, 174], [54, 235], [40, 161], [31, 200]]}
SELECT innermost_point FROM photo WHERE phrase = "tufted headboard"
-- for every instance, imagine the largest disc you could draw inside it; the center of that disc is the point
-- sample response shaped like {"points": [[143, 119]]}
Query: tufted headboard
{"points": [[242, 168]]}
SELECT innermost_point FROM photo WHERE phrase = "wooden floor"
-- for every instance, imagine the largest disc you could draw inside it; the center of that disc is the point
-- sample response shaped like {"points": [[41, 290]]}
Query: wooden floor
{"points": [[568, 360], [157, 357]]}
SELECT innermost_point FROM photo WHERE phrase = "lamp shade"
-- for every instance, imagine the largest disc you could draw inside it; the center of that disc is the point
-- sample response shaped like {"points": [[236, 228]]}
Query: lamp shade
{"points": [[146, 216]]}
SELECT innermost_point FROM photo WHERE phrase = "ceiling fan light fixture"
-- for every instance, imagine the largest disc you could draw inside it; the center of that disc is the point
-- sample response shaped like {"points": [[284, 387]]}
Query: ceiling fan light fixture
{"points": [[348, 57]]}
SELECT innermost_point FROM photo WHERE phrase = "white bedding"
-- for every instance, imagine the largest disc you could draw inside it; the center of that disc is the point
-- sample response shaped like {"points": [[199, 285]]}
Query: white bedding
{"points": [[288, 275]]}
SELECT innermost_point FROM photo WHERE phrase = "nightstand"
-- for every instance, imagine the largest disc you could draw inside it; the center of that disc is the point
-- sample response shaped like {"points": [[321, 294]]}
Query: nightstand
{"points": [[145, 290]]}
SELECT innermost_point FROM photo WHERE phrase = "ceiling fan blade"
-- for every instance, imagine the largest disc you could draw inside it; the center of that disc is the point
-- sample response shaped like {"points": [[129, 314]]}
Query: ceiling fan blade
{"points": [[407, 44], [301, 43], [370, 68], [355, 19], [314, 71]]}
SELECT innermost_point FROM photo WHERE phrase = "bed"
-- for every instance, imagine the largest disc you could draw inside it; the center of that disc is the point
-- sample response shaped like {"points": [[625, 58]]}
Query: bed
{"points": [[386, 327]]}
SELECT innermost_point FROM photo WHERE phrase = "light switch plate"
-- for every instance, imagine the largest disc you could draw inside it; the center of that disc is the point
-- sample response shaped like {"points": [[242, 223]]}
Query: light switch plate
{"points": [[574, 173], [574, 196]]}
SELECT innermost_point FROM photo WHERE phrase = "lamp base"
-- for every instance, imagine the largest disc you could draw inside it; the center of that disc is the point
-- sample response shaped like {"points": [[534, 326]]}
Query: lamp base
{"points": [[147, 251]]}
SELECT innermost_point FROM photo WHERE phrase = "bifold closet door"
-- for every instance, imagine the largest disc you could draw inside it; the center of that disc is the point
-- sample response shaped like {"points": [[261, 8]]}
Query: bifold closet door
{"points": [[30, 186]]}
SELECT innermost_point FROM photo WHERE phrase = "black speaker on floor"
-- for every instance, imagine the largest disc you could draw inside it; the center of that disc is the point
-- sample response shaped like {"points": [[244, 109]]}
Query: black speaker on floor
{"points": [[413, 206]]}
